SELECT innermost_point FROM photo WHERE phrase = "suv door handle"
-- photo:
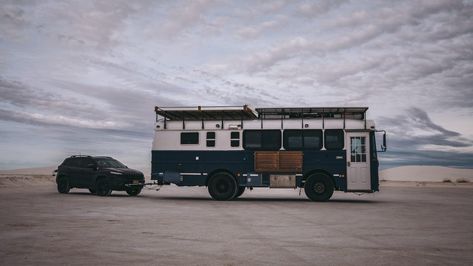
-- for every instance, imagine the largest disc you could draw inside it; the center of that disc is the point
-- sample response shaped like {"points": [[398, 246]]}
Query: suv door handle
{"points": [[348, 163]]}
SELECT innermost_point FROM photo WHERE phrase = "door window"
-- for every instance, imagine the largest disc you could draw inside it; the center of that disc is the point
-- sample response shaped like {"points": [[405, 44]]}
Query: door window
{"points": [[358, 149]]}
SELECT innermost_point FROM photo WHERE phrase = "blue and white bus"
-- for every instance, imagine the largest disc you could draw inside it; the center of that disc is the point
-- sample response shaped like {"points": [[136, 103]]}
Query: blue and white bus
{"points": [[229, 149]]}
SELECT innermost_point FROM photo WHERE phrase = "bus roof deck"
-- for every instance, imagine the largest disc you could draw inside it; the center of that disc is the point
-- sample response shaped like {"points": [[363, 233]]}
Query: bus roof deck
{"points": [[246, 113]]}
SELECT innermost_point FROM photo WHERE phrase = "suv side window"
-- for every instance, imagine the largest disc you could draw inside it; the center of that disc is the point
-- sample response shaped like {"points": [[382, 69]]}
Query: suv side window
{"points": [[68, 162], [84, 162], [74, 162]]}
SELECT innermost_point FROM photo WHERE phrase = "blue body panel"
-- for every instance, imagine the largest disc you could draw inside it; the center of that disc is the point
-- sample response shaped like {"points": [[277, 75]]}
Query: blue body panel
{"points": [[332, 162], [374, 164], [191, 168]]}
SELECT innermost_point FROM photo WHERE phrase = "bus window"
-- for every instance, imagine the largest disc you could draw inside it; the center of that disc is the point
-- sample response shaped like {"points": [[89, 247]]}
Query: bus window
{"points": [[235, 139], [312, 139], [307, 139], [334, 139], [293, 139], [262, 140], [210, 139], [190, 138]]}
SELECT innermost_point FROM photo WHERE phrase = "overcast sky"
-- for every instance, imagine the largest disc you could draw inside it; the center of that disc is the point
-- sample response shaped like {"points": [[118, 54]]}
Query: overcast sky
{"points": [[84, 76]]}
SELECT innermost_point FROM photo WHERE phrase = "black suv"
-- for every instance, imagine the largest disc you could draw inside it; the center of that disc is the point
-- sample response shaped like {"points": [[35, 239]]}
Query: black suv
{"points": [[99, 174]]}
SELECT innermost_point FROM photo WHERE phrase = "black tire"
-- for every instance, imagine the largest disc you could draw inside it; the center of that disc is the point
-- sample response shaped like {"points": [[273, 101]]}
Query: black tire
{"points": [[133, 190], [92, 190], [240, 191], [319, 187], [63, 185], [102, 187], [222, 186]]}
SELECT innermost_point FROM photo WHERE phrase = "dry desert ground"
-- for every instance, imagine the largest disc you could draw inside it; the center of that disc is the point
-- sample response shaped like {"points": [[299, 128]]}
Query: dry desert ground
{"points": [[407, 223]]}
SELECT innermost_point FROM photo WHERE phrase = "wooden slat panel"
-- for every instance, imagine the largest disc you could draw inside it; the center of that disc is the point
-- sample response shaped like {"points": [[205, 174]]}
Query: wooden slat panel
{"points": [[290, 161], [266, 161], [278, 161]]}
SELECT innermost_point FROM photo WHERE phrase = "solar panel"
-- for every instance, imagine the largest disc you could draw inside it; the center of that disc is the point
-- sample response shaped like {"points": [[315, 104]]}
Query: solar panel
{"points": [[207, 113]]}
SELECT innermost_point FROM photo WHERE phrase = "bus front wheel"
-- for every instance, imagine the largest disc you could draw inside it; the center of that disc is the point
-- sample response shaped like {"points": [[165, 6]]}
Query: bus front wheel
{"points": [[222, 186], [319, 187]]}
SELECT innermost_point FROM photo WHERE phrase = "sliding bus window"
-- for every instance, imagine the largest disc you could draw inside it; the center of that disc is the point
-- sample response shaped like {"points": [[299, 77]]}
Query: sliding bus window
{"points": [[334, 139], [302, 139], [269, 140]]}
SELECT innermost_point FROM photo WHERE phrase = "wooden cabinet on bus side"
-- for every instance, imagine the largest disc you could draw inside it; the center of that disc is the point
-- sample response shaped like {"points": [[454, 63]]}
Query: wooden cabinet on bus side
{"points": [[288, 162]]}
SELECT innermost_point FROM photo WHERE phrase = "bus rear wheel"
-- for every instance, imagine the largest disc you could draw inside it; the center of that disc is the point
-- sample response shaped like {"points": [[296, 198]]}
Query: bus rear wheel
{"points": [[222, 186], [319, 187]]}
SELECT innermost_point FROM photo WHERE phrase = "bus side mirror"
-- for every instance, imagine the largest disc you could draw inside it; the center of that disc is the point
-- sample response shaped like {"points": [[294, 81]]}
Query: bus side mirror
{"points": [[383, 147]]}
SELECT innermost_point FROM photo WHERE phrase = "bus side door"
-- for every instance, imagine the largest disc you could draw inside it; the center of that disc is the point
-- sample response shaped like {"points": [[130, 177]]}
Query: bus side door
{"points": [[358, 161]]}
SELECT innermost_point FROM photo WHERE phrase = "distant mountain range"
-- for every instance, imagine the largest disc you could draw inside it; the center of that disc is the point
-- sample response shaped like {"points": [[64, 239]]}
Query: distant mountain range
{"points": [[30, 171]]}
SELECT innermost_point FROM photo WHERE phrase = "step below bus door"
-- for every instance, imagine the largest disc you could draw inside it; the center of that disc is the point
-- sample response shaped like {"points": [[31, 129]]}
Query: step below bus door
{"points": [[358, 161]]}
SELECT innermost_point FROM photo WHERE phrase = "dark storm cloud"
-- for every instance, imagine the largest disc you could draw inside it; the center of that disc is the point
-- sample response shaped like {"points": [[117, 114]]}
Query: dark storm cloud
{"points": [[23, 96], [415, 128], [402, 156], [25, 118], [410, 132]]}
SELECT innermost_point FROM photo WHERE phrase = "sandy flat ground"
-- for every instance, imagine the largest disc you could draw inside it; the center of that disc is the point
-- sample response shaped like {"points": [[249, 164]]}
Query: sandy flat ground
{"points": [[401, 225]]}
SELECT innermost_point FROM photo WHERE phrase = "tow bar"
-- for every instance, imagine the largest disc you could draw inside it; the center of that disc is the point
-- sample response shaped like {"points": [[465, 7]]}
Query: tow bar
{"points": [[146, 185]]}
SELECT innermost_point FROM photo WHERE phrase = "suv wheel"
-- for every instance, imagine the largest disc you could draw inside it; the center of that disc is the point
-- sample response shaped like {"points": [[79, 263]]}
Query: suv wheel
{"points": [[103, 187], [222, 186], [63, 185], [134, 190]]}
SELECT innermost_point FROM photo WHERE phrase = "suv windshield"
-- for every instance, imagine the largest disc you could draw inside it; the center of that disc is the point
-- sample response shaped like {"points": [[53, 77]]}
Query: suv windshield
{"points": [[109, 163]]}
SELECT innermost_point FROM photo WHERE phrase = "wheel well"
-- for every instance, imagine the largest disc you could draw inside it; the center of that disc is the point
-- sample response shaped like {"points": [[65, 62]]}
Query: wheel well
{"points": [[99, 177], [218, 171], [319, 171], [59, 176]]}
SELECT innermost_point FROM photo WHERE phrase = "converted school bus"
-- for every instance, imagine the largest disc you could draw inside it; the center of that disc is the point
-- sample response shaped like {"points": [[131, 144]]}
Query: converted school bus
{"points": [[229, 149]]}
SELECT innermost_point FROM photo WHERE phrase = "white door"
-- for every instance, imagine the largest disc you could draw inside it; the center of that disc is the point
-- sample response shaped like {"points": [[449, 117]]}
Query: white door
{"points": [[358, 161]]}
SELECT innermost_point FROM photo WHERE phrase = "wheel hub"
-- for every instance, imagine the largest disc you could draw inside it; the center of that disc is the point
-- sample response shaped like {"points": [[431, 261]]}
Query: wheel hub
{"points": [[222, 187], [319, 188]]}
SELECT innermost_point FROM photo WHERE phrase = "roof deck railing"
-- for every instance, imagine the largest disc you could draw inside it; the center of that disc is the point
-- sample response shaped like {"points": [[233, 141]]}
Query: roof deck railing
{"points": [[246, 113]]}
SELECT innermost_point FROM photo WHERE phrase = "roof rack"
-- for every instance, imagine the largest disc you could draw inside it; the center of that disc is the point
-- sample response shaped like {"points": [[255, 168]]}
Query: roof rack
{"points": [[246, 113], [207, 113], [313, 112]]}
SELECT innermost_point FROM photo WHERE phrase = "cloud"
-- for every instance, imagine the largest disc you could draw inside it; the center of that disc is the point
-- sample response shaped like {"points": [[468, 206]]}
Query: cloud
{"points": [[364, 26], [184, 16], [415, 128], [316, 8], [249, 32], [87, 74], [398, 157]]}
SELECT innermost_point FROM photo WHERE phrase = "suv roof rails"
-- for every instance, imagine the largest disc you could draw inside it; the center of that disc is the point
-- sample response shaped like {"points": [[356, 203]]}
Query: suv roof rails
{"points": [[76, 156]]}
